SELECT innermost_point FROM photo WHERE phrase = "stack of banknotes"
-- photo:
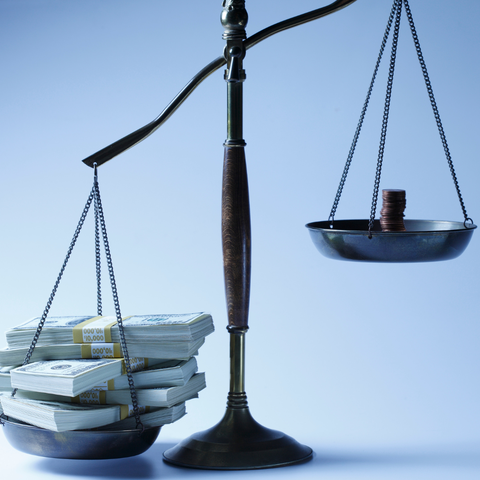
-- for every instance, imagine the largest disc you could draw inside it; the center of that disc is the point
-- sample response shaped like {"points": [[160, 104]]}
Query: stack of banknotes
{"points": [[76, 378]]}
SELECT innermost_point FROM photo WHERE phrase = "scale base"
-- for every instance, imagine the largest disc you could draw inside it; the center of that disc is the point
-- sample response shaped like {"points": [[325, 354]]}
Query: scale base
{"points": [[238, 442]]}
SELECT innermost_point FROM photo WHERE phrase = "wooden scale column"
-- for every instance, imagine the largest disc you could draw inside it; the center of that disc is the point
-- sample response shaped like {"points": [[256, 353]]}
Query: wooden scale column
{"points": [[238, 441]]}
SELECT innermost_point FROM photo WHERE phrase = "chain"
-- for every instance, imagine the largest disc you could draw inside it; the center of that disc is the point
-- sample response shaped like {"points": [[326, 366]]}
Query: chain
{"points": [[99, 220], [395, 11], [116, 302], [54, 291], [98, 264], [386, 112], [435, 109], [362, 116]]}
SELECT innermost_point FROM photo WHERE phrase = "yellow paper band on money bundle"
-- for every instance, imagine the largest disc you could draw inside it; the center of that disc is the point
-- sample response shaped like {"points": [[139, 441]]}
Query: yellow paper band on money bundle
{"points": [[101, 350], [124, 412], [77, 329], [136, 364], [141, 410], [94, 330], [92, 397], [107, 385]]}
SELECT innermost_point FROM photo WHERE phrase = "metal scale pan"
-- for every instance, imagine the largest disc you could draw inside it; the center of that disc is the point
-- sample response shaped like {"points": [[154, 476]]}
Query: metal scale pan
{"points": [[79, 444], [424, 240], [416, 240]]}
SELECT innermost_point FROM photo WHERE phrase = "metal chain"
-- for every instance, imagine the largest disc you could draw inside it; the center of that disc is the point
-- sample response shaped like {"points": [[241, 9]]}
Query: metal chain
{"points": [[54, 291], [435, 109], [396, 10], [98, 263], [362, 116], [116, 302], [386, 112], [99, 218]]}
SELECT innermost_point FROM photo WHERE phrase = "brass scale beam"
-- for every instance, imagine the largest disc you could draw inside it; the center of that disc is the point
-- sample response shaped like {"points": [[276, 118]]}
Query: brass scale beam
{"points": [[237, 441]]}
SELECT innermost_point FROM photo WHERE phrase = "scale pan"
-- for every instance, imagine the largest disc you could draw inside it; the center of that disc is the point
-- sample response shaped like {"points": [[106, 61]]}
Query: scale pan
{"points": [[78, 444], [424, 240]]}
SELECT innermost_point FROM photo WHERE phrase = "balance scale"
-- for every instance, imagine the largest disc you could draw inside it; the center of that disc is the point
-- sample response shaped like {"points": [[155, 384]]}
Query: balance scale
{"points": [[238, 441]]}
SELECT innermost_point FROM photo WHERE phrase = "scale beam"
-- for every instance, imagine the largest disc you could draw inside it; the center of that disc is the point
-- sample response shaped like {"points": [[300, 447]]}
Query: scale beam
{"points": [[129, 141]]}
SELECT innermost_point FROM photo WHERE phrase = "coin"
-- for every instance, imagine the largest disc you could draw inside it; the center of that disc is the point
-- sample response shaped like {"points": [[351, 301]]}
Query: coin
{"points": [[394, 203]]}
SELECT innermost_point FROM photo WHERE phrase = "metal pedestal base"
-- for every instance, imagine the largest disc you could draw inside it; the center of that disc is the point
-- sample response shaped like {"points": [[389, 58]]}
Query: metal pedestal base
{"points": [[238, 442]]}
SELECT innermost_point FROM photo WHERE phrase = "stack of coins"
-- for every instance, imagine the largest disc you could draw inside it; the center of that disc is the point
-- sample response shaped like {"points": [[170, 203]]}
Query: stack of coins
{"points": [[394, 203]]}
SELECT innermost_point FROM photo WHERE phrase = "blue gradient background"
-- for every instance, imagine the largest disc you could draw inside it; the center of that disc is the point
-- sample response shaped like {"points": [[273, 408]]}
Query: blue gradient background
{"points": [[374, 366]]}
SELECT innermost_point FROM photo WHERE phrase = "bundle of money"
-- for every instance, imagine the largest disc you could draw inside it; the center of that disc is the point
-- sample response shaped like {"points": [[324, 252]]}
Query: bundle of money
{"points": [[77, 376], [60, 417], [154, 397], [71, 377], [151, 330], [5, 382], [175, 350]]}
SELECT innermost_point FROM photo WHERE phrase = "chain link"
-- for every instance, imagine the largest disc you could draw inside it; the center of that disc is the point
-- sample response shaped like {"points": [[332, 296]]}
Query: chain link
{"points": [[28, 356], [395, 11], [116, 302], [99, 224], [362, 116], [435, 109], [386, 111], [98, 263]]}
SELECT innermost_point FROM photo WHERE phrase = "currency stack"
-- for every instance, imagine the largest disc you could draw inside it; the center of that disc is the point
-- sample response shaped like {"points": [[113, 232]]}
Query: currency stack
{"points": [[76, 378]]}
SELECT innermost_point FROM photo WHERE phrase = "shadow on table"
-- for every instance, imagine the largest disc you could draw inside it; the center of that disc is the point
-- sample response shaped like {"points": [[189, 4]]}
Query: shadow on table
{"points": [[146, 466], [467, 455], [151, 465]]}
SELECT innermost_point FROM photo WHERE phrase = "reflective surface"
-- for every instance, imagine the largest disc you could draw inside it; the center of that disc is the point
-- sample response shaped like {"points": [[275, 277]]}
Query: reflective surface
{"points": [[79, 444], [424, 241], [238, 442]]}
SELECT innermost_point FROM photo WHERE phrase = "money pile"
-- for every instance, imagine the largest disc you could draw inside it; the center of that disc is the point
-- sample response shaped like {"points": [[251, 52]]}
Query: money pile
{"points": [[394, 203], [150, 331], [89, 387], [5, 384], [61, 417]]}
